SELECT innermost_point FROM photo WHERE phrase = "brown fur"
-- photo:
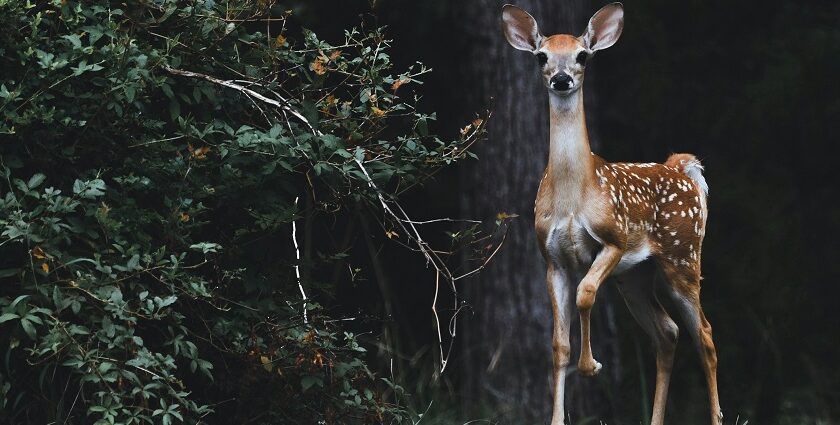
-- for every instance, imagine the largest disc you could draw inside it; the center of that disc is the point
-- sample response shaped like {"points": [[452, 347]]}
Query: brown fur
{"points": [[660, 204], [561, 43]]}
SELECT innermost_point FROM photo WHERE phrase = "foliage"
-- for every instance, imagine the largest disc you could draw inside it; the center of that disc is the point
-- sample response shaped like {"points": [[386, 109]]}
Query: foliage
{"points": [[153, 158]]}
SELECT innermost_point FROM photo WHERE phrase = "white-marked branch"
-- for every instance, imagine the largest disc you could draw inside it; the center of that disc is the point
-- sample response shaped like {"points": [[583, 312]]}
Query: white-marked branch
{"points": [[297, 266]]}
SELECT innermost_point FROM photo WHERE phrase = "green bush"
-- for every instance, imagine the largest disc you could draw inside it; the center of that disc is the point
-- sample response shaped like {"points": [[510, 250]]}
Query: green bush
{"points": [[154, 155]]}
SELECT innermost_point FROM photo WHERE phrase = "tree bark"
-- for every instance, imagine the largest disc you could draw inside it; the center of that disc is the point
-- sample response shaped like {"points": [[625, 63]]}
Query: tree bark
{"points": [[506, 341]]}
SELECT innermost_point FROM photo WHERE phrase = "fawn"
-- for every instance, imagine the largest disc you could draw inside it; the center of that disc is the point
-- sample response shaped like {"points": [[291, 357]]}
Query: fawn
{"points": [[595, 219]]}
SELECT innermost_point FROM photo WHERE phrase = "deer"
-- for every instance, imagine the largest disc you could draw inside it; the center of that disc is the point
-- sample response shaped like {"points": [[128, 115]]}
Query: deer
{"points": [[641, 222]]}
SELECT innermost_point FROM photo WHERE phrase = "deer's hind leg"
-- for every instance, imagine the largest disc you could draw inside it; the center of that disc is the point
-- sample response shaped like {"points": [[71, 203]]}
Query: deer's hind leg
{"points": [[684, 288], [637, 288]]}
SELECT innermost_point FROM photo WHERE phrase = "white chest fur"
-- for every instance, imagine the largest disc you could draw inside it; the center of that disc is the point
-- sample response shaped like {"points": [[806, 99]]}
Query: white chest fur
{"points": [[568, 241]]}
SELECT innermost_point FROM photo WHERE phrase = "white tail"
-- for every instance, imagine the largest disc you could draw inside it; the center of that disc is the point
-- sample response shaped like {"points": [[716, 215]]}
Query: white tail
{"points": [[626, 212]]}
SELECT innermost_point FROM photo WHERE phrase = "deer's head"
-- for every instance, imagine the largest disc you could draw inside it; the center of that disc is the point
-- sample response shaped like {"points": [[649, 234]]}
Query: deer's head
{"points": [[562, 58]]}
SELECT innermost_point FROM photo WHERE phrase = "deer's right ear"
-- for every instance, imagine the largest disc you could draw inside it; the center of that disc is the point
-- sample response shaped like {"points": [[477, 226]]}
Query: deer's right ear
{"points": [[520, 28]]}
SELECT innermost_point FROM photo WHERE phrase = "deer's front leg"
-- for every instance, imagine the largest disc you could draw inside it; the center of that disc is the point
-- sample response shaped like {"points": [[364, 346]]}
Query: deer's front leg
{"points": [[560, 291], [588, 287]]}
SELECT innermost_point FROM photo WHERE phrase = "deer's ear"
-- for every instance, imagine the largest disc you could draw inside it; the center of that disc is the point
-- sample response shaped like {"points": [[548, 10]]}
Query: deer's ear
{"points": [[604, 27], [520, 28]]}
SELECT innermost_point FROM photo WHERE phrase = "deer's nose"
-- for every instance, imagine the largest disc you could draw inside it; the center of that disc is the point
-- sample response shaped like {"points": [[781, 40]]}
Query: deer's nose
{"points": [[561, 81]]}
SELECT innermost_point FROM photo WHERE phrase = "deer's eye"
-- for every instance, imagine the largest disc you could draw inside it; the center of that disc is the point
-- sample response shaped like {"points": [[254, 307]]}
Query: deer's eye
{"points": [[581, 58], [541, 59]]}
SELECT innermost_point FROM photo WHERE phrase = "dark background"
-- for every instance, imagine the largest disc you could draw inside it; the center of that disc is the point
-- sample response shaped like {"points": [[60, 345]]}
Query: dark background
{"points": [[749, 87]]}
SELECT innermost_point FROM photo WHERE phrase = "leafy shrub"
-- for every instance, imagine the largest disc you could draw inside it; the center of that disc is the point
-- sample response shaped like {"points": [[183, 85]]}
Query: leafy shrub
{"points": [[154, 156]]}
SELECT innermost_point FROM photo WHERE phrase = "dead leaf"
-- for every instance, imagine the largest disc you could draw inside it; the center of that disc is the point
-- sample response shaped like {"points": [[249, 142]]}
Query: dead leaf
{"points": [[39, 253], [318, 66], [280, 40], [377, 112], [397, 84], [318, 359], [184, 217], [335, 54], [503, 215], [198, 153], [392, 234], [45, 267], [266, 363]]}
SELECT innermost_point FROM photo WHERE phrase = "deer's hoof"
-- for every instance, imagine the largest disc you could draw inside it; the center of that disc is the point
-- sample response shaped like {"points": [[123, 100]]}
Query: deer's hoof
{"points": [[589, 367]]}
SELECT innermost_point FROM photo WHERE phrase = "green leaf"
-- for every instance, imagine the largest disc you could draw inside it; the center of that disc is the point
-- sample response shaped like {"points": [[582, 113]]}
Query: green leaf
{"points": [[36, 180], [206, 247], [89, 189], [309, 381], [8, 316], [167, 90], [9, 272], [74, 39], [18, 300], [133, 262], [104, 367], [130, 90], [29, 328], [4, 92], [174, 109]]}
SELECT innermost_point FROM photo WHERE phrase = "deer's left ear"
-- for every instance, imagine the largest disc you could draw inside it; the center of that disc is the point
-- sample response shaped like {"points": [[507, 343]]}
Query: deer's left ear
{"points": [[604, 27]]}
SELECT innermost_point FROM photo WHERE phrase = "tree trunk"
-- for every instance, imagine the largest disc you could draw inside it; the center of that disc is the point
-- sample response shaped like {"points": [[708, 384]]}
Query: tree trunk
{"points": [[506, 341]]}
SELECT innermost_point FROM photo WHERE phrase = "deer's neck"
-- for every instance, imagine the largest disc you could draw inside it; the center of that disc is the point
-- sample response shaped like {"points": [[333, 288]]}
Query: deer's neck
{"points": [[571, 167]]}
